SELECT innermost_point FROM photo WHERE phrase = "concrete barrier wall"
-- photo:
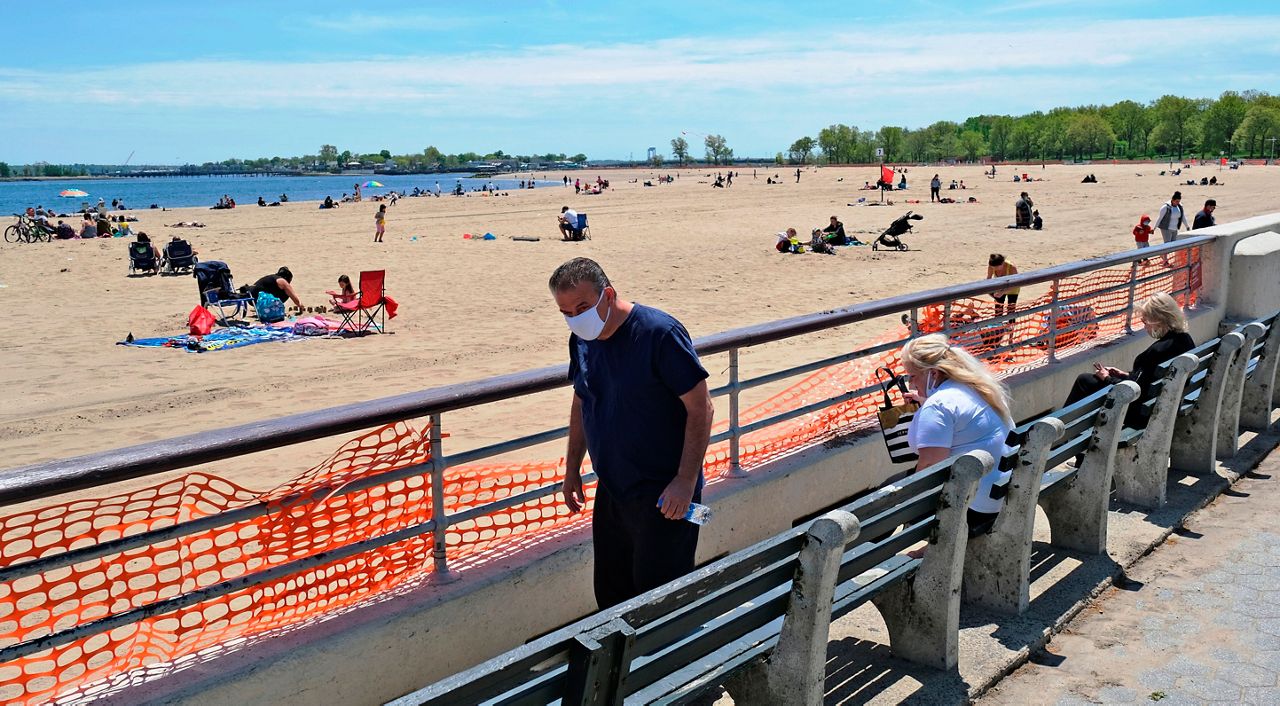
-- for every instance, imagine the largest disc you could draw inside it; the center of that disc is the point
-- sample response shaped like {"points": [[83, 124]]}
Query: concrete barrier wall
{"points": [[385, 650]]}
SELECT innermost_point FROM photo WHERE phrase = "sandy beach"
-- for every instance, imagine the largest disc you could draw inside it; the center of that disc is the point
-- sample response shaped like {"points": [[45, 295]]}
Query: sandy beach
{"points": [[471, 309]]}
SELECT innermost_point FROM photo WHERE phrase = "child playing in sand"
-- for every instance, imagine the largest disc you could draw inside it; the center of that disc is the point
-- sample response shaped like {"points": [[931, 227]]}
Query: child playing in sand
{"points": [[1142, 232], [380, 218]]}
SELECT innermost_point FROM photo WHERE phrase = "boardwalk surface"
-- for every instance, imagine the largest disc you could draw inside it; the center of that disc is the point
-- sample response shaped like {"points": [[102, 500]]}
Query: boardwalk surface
{"points": [[1197, 621]]}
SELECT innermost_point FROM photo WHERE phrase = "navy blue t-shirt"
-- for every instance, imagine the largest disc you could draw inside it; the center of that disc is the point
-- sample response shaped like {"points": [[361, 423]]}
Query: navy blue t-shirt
{"points": [[630, 385]]}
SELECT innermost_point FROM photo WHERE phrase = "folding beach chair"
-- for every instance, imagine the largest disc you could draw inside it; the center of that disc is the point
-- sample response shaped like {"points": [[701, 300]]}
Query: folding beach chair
{"points": [[217, 290], [179, 258], [142, 258], [583, 230], [368, 311]]}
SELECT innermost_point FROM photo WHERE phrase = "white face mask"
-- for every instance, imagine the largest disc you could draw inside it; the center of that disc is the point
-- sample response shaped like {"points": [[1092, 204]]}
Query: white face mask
{"points": [[931, 384], [588, 325]]}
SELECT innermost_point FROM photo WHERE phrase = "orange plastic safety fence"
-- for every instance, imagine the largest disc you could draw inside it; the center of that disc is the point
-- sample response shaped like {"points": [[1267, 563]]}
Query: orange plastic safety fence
{"points": [[296, 528]]}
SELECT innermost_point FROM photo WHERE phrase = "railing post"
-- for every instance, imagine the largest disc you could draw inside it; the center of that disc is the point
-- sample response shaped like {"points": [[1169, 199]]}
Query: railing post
{"points": [[735, 389], [914, 322], [1053, 322], [1133, 290], [438, 555], [946, 317]]}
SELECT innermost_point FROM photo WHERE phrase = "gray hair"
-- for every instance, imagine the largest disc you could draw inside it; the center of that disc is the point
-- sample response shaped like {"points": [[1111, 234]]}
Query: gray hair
{"points": [[577, 271]]}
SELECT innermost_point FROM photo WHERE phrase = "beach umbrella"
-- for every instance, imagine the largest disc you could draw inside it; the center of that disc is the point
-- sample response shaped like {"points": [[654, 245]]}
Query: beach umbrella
{"points": [[373, 185], [69, 193]]}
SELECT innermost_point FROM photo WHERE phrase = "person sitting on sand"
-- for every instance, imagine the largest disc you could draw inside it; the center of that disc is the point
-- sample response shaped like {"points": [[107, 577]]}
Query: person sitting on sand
{"points": [[818, 244], [262, 201], [962, 186], [789, 242], [284, 198], [279, 285], [902, 183], [64, 231], [345, 294], [328, 203], [1037, 223], [836, 235], [88, 228]]}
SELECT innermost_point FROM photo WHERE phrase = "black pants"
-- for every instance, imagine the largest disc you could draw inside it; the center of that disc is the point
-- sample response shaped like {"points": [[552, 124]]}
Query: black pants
{"points": [[1086, 384], [636, 548], [933, 193]]}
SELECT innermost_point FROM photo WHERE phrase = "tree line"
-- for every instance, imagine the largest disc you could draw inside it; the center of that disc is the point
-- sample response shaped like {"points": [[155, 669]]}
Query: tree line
{"points": [[1234, 124]]}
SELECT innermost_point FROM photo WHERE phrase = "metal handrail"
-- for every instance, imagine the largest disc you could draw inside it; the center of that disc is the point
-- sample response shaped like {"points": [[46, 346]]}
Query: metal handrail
{"points": [[44, 480]]}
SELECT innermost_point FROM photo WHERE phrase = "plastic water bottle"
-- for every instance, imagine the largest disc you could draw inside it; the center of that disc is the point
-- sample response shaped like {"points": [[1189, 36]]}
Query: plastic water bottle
{"points": [[698, 514]]}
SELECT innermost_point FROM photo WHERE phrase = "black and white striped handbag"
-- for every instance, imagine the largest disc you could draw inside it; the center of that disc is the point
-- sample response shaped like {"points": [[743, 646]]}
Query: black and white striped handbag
{"points": [[895, 419]]}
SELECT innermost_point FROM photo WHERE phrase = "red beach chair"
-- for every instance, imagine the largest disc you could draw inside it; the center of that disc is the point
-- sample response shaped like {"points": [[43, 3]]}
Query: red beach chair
{"points": [[369, 310]]}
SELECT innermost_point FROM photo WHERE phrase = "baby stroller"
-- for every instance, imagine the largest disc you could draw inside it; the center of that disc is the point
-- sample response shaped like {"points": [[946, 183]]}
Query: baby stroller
{"points": [[900, 226], [213, 278]]}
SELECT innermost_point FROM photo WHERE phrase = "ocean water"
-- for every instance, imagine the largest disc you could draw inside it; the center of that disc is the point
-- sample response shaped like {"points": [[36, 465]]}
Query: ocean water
{"points": [[175, 192]]}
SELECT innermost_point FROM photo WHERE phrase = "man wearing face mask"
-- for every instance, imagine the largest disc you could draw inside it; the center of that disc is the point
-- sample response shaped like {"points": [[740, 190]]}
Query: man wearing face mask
{"points": [[642, 409]]}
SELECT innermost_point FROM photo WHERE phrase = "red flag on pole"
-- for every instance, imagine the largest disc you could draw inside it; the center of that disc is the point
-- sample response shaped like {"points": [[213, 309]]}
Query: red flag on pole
{"points": [[886, 173], [1223, 162]]}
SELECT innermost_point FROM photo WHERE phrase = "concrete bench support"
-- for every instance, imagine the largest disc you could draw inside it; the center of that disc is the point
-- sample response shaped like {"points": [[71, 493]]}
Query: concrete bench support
{"points": [[1258, 398], [795, 671], [923, 614], [1195, 434], [1233, 392], [1078, 512], [1142, 467], [997, 568]]}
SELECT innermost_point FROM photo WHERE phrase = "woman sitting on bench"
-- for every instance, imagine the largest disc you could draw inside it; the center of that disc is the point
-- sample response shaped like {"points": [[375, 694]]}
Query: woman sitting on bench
{"points": [[963, 408], [1163, 319]]}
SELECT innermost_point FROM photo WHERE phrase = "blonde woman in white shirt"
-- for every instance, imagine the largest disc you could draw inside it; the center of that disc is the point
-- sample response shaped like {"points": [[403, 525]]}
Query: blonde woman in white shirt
{"points": [[963, 408]]}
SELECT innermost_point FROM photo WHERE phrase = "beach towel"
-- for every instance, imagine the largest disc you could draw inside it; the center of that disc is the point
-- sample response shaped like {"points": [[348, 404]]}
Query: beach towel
{"points": [[222, 339]]}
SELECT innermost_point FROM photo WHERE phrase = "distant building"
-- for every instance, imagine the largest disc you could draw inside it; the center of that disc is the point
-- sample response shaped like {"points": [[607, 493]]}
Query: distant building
{"points": [[653, 152]]}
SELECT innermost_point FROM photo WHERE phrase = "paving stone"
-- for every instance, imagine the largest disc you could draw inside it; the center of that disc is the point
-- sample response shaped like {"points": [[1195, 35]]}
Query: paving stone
{"points": [[1255, 696], [1246, 674], [1209, 689], [1117, 695], [1186, 667], [1267, 659], [1157, 679]]}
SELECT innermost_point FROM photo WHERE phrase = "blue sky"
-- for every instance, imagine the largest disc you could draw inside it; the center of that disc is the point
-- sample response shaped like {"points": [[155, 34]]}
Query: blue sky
{"points": [[189, 82]]}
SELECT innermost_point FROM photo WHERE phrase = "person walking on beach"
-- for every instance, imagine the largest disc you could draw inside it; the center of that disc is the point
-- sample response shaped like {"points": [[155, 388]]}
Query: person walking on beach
{"points": [[1170, 219], [797, 175], [1205, 219], [935, 189], [357, 196], [380, 223], [641, 408]]}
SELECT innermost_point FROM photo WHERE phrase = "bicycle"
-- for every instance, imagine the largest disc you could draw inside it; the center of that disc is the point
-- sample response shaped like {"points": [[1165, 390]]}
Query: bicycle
{"points": [[26, 230]]}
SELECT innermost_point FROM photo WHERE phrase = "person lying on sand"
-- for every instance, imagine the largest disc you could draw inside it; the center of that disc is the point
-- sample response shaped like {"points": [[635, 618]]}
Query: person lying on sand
{"points": [[184, 224]]}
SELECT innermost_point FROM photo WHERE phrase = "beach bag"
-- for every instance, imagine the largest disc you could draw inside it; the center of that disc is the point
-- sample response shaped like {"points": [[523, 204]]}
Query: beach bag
{"points": [[200, 321], [270, 309], [895, 420]]}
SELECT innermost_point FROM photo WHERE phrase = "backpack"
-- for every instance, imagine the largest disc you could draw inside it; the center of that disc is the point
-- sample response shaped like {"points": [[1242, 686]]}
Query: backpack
{"points": [[269, 308]]}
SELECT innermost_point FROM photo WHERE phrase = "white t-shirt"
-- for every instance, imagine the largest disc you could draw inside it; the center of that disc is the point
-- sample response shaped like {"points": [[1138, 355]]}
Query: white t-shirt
{"points": [[571, 217], [955, 418]]}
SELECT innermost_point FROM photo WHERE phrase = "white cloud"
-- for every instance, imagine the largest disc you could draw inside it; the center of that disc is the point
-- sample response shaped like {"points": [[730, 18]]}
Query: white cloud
{"points": [[696, 70]]}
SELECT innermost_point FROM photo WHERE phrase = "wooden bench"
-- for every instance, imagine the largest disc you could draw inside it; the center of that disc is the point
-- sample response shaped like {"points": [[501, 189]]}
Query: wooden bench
{"points": [[722, 623], [1074, 498]]}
